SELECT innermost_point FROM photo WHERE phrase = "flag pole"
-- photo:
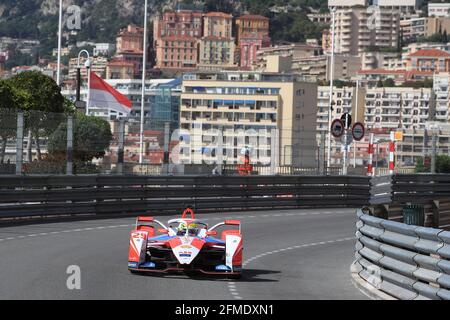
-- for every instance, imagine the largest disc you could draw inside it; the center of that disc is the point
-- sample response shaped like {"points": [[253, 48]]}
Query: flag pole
{"points": [[88, 102], [333, 11], [58, 67], [144, 63]]}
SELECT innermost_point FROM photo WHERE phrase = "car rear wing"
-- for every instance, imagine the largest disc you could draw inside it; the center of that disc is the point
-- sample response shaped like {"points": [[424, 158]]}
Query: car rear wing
{"points": [[143, 220], [227, 223]]}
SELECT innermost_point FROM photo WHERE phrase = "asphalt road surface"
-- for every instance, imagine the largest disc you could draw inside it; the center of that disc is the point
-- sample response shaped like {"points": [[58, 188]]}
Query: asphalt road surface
{"points": [[288, 254]]}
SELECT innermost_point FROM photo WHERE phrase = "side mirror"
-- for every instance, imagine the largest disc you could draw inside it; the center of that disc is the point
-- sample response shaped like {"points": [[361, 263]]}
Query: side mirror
{"points": [[211, 233], [162, 230]]}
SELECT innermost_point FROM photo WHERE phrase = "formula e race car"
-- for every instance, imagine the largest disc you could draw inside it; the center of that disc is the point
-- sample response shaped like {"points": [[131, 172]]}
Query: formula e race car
{"points": [[186, 245]]}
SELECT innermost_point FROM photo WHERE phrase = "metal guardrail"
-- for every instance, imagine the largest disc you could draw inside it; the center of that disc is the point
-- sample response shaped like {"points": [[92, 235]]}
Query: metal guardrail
{"points": [[406, 262], [25, 196], [388, 195]]}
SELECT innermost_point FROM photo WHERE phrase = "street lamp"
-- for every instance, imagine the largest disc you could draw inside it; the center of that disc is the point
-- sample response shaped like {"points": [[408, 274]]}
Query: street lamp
{"points": [[87, 65], [144, 63]]}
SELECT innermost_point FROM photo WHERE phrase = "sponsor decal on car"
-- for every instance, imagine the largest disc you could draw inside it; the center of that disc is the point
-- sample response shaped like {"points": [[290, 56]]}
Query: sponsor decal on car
{"points": [[148, 265], [185, 254], [222, 267]]}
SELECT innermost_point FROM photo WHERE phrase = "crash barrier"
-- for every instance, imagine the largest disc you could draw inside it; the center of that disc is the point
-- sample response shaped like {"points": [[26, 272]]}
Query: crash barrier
{"points": [[404, 261], [390, 194], [118, 194]]}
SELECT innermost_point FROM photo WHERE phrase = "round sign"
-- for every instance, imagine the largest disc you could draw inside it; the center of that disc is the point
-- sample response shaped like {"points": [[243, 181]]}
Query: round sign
{"points": [[358, 131], [347, 120], [337, 128]]}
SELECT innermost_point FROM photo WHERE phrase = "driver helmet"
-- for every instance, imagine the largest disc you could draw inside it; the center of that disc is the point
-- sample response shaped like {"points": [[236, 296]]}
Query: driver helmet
{"points": [[182, 226], [193, 228]]}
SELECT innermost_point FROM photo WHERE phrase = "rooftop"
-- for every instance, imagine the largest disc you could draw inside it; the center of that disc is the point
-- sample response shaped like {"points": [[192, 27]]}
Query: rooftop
{"points": [[218, 14], [252, 17], [430, 53]]}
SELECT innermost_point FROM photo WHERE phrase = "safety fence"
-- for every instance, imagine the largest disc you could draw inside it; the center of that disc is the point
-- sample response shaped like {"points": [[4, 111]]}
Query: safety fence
{"points": [[42, 196], [403, 261], [389, 194]]}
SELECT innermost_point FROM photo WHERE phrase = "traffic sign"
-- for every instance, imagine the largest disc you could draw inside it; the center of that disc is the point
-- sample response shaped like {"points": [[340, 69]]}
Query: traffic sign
{"points": [[358, 131], [337, 128], [398, 136], [347, 120]]}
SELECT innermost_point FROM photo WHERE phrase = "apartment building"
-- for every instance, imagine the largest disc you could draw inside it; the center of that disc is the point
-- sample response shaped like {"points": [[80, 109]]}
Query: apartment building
{"points": [[416, 46], [295, 50], [437, 25], [397, 107], [381, 60], [338, 4], [176, 35], [429, 60], [321, 18], [252, 34], [404, 6], [130, 39], [417, 143], [104, 49], [129, 46], [439, 9], [441, 87], [306, 64], [371, 77], [356, 31], [247, 106], [118, 69], [413, 28], [217, 46]]}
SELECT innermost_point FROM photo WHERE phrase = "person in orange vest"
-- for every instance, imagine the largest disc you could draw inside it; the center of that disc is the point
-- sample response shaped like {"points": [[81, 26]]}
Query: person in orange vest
{"points": [[246, 168]]}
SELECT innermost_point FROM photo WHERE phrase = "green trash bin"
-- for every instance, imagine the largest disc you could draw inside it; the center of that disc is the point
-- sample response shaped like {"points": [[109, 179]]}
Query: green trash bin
{"points": [[414, 214]]}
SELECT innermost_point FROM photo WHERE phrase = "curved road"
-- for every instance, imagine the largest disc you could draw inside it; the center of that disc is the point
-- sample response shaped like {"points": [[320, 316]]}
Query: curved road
{"points": [[289, 254]]}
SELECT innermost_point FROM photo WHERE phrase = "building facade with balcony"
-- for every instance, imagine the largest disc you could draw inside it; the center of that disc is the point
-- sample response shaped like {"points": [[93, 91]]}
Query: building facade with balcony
{"points": [[397, 107], [176, 35], [252, 34], [429, 60], [246, 106], [439, 9], [357, 31], [217, 46]]}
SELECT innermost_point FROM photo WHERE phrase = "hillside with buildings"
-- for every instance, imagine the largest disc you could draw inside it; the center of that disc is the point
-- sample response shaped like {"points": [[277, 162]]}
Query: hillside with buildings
{"points": [[233, 68], [102, 19]]}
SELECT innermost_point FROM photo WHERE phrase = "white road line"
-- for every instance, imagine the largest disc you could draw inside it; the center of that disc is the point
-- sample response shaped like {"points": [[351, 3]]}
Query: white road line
{"points": [[232, 288], [64, 231], [217, 218]]}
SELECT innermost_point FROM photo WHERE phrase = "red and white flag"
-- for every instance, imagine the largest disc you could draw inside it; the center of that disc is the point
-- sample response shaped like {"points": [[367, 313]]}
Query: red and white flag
{"points": [[105, 96]]}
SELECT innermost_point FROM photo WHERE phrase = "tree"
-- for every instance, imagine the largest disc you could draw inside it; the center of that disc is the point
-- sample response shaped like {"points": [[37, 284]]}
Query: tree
{"points": [[10, 100], [91, 137], [389, 82], [442, 164], [44, 108], [380, 84]]}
